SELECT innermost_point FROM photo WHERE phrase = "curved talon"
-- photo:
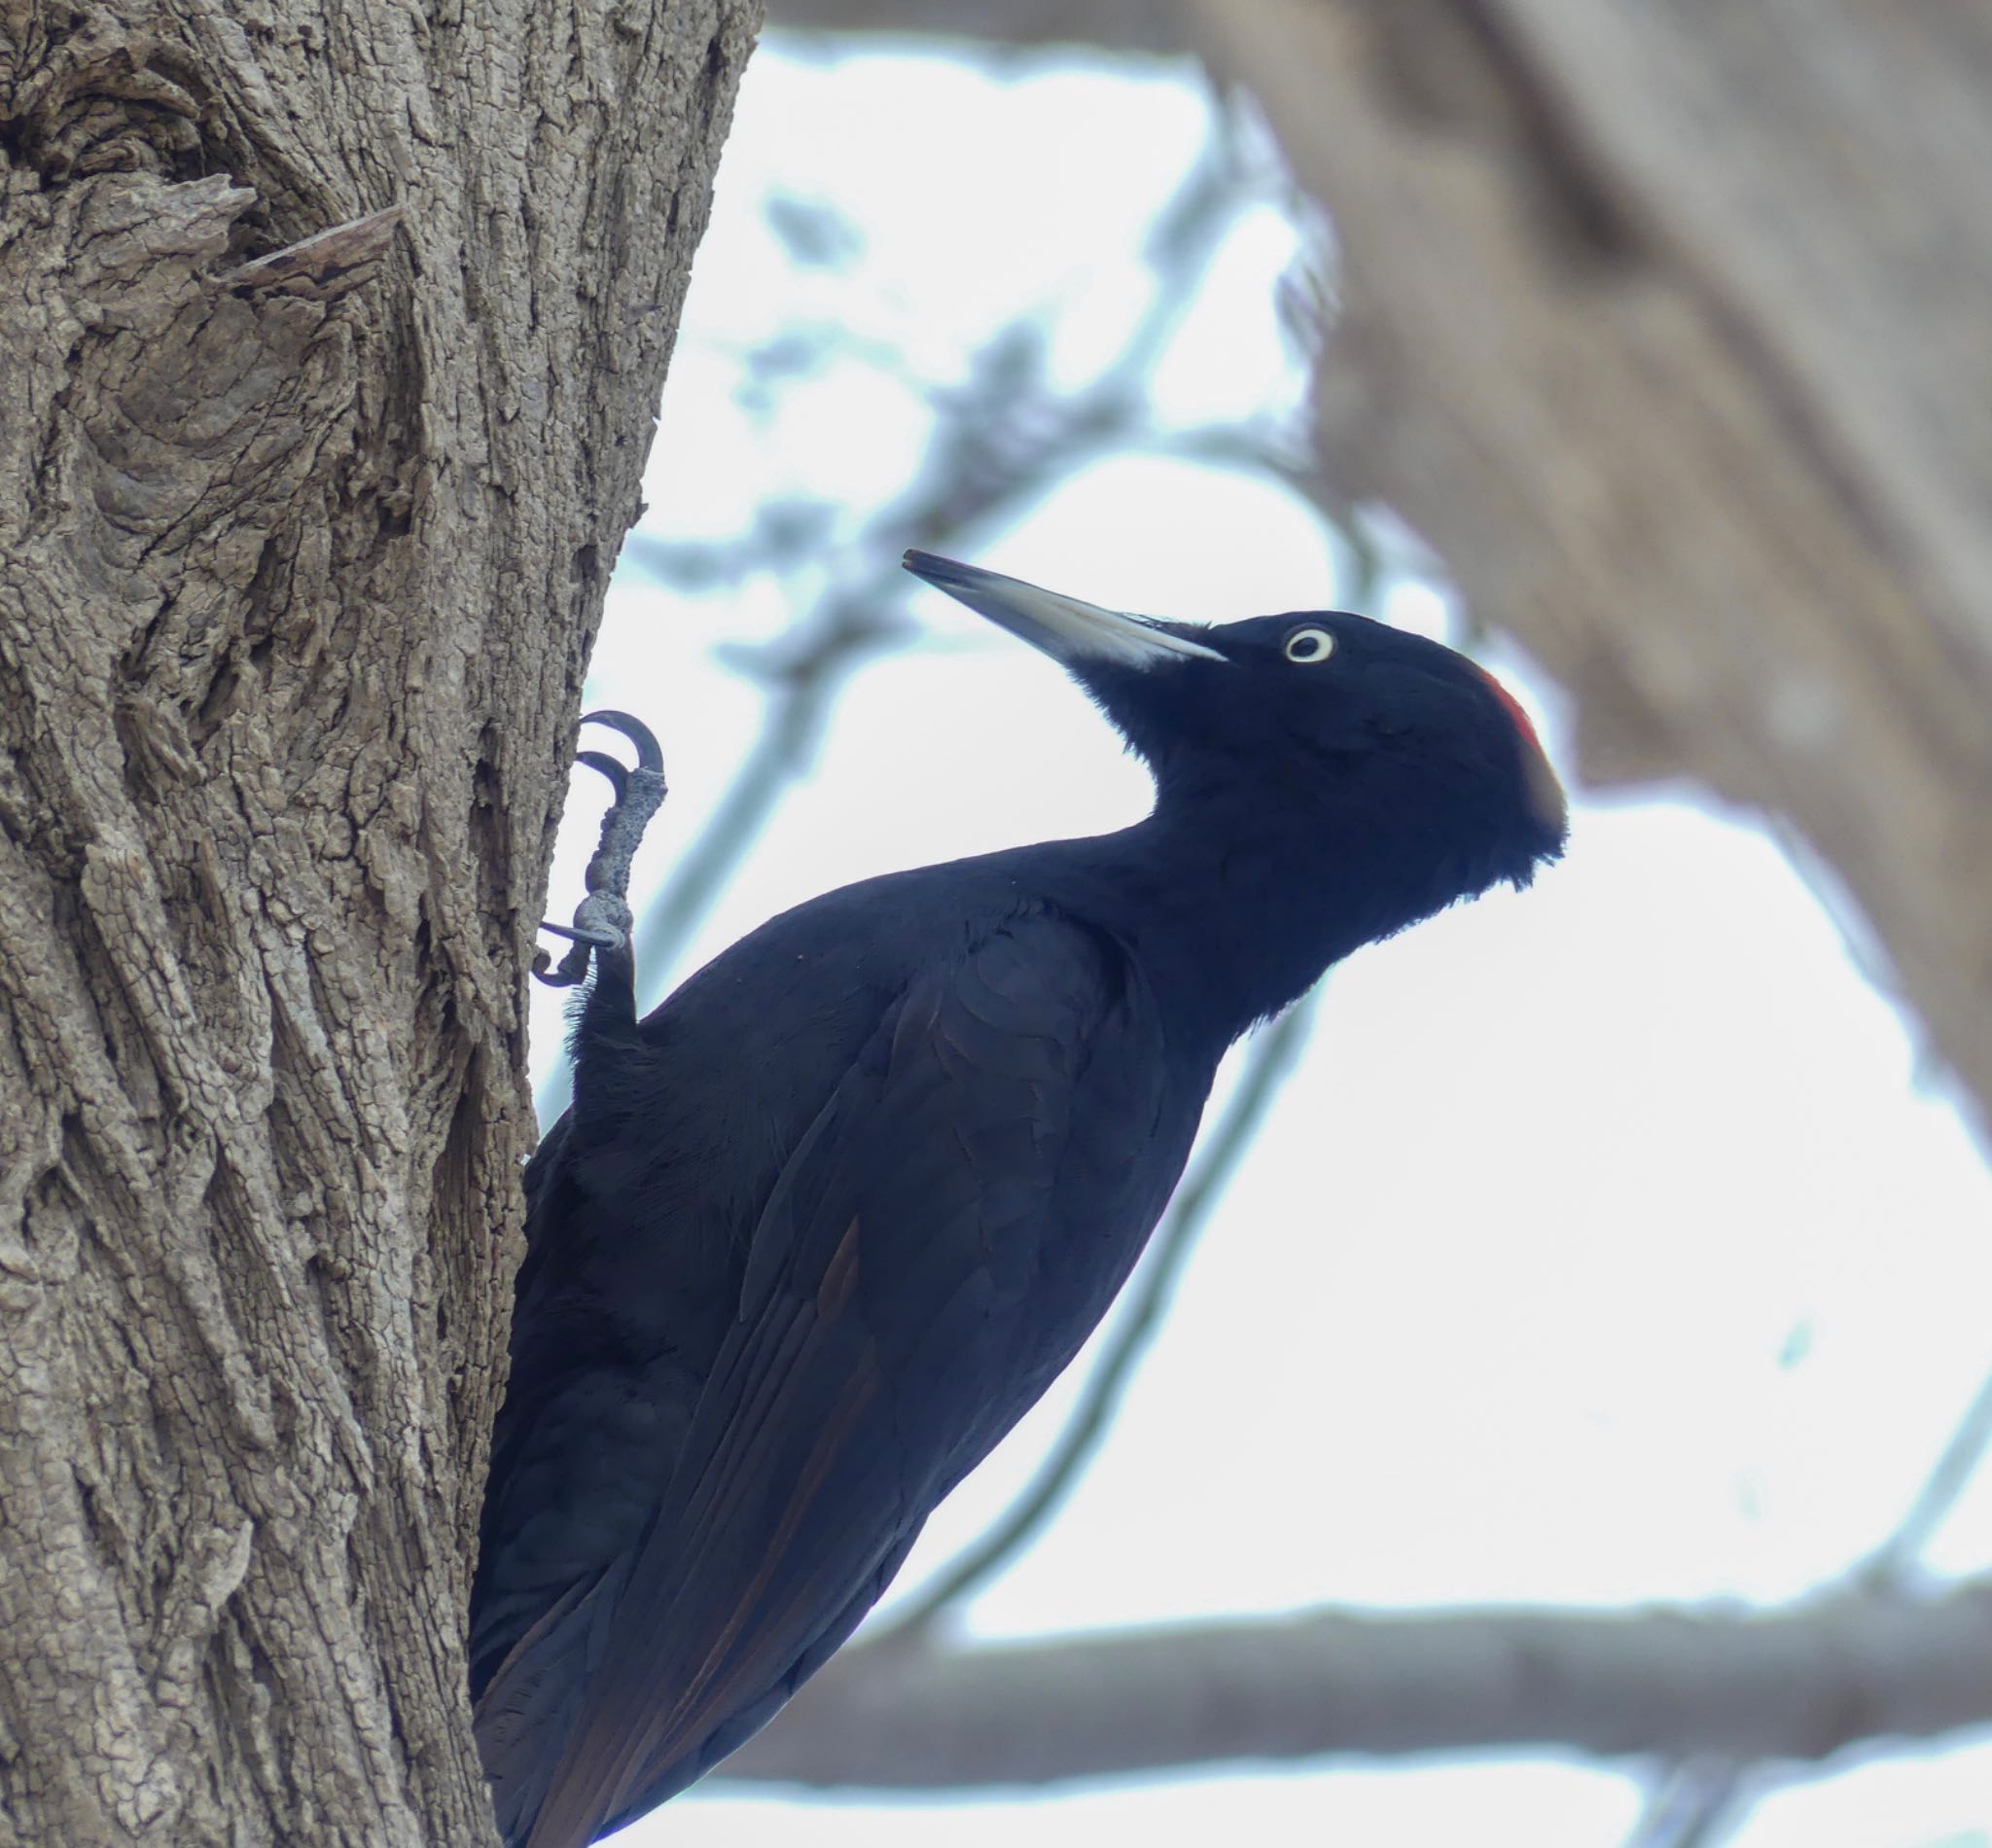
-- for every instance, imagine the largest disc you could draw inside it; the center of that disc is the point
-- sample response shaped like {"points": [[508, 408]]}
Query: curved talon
{"points": [[571, 970], [597, 939], [618, 776], [650, 754]]}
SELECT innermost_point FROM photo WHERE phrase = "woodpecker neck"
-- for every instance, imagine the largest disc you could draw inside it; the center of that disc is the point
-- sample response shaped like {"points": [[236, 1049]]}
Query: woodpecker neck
{"points": [[1231, 917], [1251, 912]]}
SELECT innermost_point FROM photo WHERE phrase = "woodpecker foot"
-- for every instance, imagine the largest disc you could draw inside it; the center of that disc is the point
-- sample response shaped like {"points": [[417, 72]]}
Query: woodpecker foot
{"points": [[603, 921]]}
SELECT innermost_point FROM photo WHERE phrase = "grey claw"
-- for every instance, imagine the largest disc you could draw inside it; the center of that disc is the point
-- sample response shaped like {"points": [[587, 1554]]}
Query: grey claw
{"points": [[571, 971], [598, 940], [619, 777], [650, 755]]}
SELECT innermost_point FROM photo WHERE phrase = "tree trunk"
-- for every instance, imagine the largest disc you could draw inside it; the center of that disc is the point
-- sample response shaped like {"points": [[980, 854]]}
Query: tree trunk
{"points": [[301, 557]]}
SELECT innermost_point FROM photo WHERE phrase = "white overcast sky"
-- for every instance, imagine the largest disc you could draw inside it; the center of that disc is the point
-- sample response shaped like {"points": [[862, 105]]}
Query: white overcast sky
{"points": [[1609, 1245]]}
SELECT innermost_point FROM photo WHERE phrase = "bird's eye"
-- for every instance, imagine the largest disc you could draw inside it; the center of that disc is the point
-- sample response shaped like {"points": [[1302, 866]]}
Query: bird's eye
{"points": [[1309, 645]]}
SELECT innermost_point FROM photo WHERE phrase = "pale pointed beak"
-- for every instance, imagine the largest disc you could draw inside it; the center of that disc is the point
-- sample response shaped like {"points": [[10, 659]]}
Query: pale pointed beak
{"points": [[1075, 633]]}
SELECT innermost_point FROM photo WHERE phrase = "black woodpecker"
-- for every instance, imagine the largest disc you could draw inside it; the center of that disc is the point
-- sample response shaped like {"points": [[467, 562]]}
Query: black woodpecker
{"points": [[818, 1232]]}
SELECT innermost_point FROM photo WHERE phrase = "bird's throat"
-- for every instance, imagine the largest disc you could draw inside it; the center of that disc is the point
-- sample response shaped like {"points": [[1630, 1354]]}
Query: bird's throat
{"points": [[1230, 924]]}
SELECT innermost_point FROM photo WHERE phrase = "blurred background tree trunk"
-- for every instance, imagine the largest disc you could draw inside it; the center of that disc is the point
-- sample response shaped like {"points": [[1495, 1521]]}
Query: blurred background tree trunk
{"points": [[335, 341], [1664, 324]]}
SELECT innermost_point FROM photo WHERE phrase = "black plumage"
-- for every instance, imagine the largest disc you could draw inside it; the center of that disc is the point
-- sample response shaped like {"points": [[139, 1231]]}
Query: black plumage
{"points": [[816, 1232]]}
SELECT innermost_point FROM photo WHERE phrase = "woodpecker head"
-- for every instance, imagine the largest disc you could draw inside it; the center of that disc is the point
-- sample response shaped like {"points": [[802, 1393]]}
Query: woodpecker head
{"points": [[1388, 744]]}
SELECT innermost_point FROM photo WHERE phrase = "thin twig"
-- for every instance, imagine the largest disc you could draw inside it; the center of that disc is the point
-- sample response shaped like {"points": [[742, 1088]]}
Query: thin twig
{"points": [[1694, 1805], [1700, 1802], [1893, 1566]]}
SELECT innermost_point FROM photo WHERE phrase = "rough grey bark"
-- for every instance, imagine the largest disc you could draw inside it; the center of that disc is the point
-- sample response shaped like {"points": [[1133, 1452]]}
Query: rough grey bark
{"points": [[1795, 1684], [1664, 324], [299, 563]]}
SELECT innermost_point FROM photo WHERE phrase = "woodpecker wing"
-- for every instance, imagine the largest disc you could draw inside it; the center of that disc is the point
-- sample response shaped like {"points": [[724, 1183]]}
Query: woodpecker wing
{"points": [[953, 1223]]}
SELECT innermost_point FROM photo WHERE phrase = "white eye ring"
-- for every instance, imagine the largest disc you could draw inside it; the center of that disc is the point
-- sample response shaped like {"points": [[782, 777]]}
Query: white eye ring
{"points": [[1309, 646]]}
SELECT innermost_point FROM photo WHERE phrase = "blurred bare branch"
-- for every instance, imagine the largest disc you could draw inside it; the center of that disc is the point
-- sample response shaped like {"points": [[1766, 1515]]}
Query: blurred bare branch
{"points": [[1798, 1683], [816, 232], [998, 443]]}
